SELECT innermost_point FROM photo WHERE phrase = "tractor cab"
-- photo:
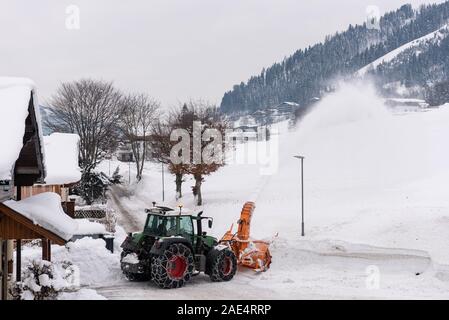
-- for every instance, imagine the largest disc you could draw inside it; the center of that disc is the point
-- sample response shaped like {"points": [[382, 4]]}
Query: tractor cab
{"points": [[164, 222]]}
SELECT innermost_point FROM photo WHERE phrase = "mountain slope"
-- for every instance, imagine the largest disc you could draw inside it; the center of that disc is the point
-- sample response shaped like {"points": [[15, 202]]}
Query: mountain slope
{"points": [[309, 72], [421, 65], [415, 46]]}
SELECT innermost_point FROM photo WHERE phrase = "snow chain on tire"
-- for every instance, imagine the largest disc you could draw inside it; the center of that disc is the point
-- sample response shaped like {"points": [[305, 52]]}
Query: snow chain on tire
{"points": [[161, 267], [223, 265]]}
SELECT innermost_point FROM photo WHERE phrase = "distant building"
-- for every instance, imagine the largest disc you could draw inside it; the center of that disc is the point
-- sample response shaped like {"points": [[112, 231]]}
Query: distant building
{"points": [[243, 133], [406, 105], [125, 153], [286, 107]]}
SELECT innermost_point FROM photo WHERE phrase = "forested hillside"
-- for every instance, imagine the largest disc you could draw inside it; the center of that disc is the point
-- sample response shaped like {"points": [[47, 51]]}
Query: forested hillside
{"points": [[309, 72]]}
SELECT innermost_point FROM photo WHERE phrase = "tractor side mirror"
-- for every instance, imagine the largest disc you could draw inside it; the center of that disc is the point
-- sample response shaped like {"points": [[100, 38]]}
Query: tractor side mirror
{"points": [[210, 223]]}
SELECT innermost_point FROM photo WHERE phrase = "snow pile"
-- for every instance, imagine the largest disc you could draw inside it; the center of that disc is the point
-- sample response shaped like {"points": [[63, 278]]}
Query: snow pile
{"points": [[88, 228], [61, 159], [15, 94], [131, 258], [46, 211], [97, 266]]}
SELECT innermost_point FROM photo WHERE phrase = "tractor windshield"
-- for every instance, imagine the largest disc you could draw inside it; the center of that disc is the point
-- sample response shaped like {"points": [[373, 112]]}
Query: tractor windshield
{"points": [[168, 226]]}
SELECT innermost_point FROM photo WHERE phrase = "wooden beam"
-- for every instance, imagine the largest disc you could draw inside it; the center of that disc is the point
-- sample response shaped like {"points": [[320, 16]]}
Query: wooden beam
{"points": [[29, 224], [4, 264], [19, 260], [28, 170], [49, 250], [44, 249]]}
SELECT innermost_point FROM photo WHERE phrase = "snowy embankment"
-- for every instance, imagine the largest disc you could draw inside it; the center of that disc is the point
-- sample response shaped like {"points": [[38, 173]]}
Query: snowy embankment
{"points": [[371, 178], [96, 265]]}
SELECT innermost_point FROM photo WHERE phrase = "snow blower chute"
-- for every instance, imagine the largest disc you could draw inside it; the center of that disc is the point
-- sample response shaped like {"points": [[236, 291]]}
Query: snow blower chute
{"points": [[254, 254]]}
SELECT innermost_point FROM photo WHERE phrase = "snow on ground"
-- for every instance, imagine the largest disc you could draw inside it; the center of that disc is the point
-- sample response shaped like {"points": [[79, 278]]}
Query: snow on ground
{"points": [[310, 270], [97, 266], [83, 294], [376, 199]]}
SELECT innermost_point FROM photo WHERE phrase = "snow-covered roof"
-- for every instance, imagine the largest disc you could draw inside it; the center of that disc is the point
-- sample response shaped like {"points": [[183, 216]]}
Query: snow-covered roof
{"points": [[293, 104], [15, 95], [61, 158], [45, 210]]}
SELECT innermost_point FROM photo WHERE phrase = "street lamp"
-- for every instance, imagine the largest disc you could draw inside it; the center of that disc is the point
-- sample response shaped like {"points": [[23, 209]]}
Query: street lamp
{"points": [[163, 183], [129, 171], [302, 194]]}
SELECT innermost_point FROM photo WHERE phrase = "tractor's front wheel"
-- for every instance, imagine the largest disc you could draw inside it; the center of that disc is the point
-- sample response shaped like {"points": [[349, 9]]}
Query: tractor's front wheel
{"points": [[222, 265], [173, 268]]}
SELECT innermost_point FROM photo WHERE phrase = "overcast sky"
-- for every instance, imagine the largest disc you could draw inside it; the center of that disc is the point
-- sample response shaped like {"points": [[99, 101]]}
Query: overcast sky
{"points": [[171, 49]]}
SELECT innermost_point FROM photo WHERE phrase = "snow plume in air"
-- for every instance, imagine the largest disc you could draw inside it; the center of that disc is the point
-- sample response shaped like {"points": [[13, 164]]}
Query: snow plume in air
{"points": [[351, 138], [350, 103]]}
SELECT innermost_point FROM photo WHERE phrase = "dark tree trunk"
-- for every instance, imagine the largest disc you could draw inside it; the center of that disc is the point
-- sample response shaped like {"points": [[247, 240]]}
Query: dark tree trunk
{"points": [[197, 189], [179, 181]]}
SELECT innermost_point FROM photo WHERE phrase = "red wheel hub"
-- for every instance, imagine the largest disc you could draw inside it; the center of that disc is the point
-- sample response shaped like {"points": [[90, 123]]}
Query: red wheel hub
{"points": [[177, 267], [227, 266]]}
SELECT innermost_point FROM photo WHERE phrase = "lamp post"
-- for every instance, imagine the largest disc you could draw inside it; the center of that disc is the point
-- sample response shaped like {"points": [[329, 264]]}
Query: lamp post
{"points": [[129, 172], [302, 194], [163, 183]]}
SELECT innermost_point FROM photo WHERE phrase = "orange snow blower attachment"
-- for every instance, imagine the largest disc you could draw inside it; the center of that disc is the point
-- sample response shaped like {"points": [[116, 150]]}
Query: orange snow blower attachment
{"points": [[250, 253]]}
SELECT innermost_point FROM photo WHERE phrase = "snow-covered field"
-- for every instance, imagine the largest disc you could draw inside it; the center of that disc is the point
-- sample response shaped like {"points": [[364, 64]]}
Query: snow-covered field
{"points": [[376, 202]]}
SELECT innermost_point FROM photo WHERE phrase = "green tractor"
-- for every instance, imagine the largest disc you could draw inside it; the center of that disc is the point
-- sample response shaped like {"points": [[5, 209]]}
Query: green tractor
{"points": [[172, 248]]}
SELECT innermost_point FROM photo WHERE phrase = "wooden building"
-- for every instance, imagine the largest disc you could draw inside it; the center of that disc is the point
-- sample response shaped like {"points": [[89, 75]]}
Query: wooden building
{"points": [[18, 101], [62, 169]]}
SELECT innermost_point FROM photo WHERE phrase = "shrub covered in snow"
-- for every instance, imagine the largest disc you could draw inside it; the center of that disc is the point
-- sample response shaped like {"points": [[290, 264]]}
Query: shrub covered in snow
{"points": [[43, 280], [92, 188], [117, 177]]}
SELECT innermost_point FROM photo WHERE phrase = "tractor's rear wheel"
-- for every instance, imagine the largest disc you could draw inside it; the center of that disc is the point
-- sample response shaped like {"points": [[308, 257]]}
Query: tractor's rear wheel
{"points": [[173, 268], [223, 265]]}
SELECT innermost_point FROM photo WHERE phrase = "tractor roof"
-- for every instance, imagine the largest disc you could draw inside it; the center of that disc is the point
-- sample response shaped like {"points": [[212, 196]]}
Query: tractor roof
{"points": [[165, 211]]}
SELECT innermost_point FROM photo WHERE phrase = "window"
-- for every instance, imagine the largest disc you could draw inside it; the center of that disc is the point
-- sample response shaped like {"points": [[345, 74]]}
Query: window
{"points": [[168, 226], [186, 225]]}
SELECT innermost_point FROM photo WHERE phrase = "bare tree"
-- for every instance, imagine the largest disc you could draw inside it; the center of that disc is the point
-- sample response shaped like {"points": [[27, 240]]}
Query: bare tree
{"points": [[161, 146], [210, 119], [91, 109], [139, 115]]}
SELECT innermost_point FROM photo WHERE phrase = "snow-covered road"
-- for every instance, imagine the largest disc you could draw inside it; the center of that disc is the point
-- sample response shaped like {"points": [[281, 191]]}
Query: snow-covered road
{"points": [[311, 270], [126, 219]]}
